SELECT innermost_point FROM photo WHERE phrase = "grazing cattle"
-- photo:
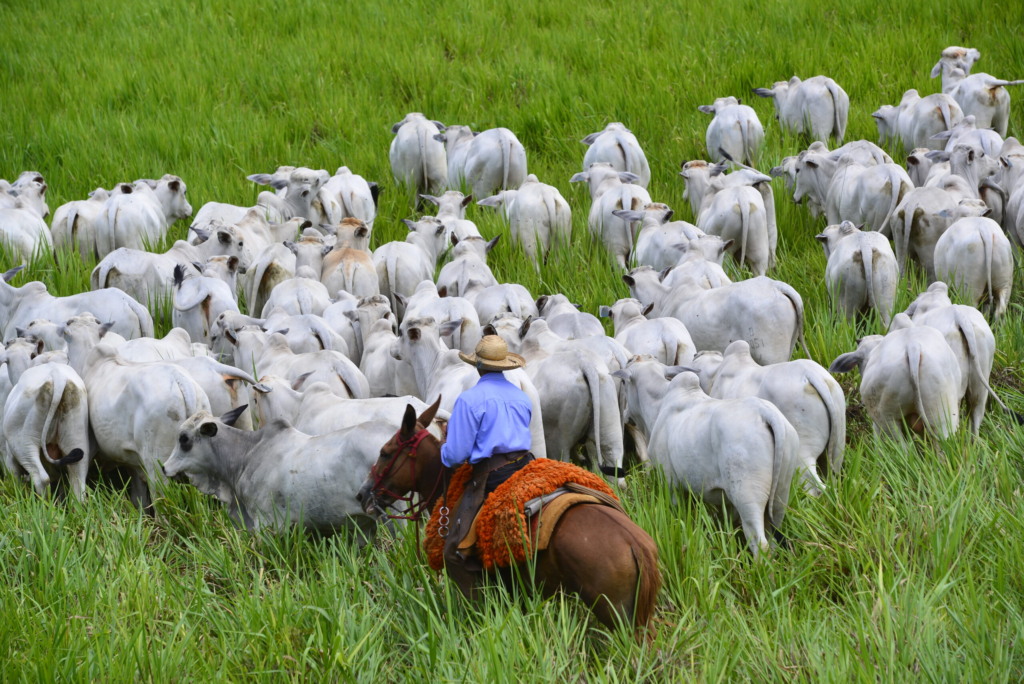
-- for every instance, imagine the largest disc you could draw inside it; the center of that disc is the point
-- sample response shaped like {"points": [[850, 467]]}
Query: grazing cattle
{"points": [[485, 161], [767, 313], [739, 216], [971, 339], [539, 217], [504, 298], [467, 273], [22, 229], [968, 132], [348, 195], [617, 146], [859, 151], [810, 399], [916, 120], [849, 191], [909, 377], [817, 107], [922, 216], [418, 158], [139, 214], [271, 267], [316, 410], [134, 411], [735, 133], [612, 190], [334, 368], [19, 306], [46, 425], [74, 223], [975, 256], [566, 320], [401, 266], [148, 277], [296, 198], [278, 477], [980, 95], [302, 294], [349, 266], [304, 332], [451, 211], [579, 404], [427, 302], [740, 454], [664, 339], [861, 273], [658, 235], [197, 303]]}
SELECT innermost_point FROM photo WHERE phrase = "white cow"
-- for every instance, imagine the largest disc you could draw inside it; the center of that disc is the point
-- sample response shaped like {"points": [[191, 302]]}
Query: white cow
{"points": [[658, 235], [23, 230], [566, 320], [971, 339], [348, 195], [148, 277], [19, 306], [735, 133], [850, 191], [980, 95], [817, 107], [511, 298], [539, 217], [278, 477], [491, 160], [139, 214], [418, 159], [272, 266], [427, 302], [612, 190], [302, 294], [975, 256], [451, 211], [916, 120], [401, 266], [134, 412], [467, 273], [810, 399], [332, 367], [861, 273], [909, 378], [198, 300], [74, 223], [349, 266], [664, 339], [859, 151], [766, 313], [740, 454], [922, 216], [46, 425], [617, 145]]}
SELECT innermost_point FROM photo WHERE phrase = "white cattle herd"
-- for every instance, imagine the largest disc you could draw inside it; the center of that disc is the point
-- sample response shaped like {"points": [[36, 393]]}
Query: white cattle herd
{"points": [[339, 338]]}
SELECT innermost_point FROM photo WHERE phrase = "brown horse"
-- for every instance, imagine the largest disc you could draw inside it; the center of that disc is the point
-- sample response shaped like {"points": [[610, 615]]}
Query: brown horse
{"points": [[595, 551]]}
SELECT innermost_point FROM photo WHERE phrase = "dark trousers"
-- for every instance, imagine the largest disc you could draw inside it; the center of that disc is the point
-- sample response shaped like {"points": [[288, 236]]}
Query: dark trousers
{"points": [[487, 476]]}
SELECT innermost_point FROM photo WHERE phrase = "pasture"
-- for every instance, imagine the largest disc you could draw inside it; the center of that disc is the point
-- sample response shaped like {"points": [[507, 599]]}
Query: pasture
{"points": [[908, 567]]}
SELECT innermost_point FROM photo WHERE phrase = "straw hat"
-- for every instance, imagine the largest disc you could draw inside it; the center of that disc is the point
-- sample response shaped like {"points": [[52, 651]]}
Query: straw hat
{"points": [[492, 354]]}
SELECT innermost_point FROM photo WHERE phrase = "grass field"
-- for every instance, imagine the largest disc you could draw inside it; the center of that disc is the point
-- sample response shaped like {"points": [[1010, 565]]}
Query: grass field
{"points": [[908, 568]]}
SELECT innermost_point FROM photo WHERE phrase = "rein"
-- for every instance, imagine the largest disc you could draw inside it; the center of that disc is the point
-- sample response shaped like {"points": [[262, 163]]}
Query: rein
{"points": [[415, 510]]}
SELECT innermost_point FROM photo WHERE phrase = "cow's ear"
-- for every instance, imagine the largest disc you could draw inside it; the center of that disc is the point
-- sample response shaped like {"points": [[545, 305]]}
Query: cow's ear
{"points": [[629, 280], [648, 309], [466, 200], [208, 429], [845, 362]]}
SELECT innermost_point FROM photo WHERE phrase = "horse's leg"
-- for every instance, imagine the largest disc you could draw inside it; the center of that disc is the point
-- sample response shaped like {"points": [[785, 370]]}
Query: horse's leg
{"points": [[597, 552]]}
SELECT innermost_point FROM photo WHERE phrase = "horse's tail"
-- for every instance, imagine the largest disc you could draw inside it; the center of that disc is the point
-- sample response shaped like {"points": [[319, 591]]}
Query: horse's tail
{"points": [[645, 555]]}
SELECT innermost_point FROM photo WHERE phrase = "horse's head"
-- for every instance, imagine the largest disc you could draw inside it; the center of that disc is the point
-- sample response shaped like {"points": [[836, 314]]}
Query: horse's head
{"points": [[409, 463]]}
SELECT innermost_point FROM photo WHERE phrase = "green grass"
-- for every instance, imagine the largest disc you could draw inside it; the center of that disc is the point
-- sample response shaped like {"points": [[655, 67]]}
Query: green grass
{"points": [[907, 568]]}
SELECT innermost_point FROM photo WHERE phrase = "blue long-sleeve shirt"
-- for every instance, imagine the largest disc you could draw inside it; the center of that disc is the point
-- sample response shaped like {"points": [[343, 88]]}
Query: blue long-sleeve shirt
{"points": [[492, 417]]}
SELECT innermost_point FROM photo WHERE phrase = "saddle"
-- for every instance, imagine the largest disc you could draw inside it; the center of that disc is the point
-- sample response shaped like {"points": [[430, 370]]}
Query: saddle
{"points": [[518, 518]]}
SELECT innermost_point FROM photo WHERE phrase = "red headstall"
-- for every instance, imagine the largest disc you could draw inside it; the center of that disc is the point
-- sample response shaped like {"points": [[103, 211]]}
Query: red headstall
{"points": [[410, 444]]}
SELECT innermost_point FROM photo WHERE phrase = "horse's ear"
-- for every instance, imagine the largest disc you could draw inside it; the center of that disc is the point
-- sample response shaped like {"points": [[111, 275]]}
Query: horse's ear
{"points": [[409, 421], [427, 417]]}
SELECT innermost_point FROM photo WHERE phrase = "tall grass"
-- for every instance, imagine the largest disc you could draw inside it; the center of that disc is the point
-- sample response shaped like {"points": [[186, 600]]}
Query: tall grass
{"points": [[907, 567]]}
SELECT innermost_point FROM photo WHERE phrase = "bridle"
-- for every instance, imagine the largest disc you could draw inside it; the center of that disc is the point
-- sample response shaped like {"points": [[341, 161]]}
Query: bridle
{"points": [[410, 444]]}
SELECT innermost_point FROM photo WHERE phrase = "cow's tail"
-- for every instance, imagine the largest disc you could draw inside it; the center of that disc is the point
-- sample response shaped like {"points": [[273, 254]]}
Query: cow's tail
{"points": [[797, 302], [391, 269], [840, 110], [914, 358], [987, 249], [100, 276], [506, 160], [593, 380], [836, 413], [867, 257], [744, 228], [894, 201], [910, 217], [973, 351], [424, 172], [947, 116], [778, 492], [57, 385]]}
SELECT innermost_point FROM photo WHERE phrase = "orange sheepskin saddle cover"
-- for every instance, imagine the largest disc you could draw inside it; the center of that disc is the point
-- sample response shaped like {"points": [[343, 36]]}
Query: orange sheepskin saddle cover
{"points": [[504, 536]]}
